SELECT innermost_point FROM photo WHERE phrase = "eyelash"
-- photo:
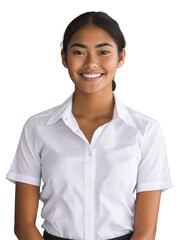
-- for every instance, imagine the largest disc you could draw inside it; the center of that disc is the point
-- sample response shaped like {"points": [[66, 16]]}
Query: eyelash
{"points": [[78, 53], [103, 52]]}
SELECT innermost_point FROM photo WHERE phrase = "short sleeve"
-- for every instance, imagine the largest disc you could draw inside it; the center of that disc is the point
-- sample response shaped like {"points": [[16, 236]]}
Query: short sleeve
{"points": [[153, 169], [26, 165]]}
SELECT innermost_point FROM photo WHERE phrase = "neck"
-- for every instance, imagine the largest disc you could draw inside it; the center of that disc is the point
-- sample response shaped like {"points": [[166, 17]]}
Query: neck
{"points": [[94, 105]]}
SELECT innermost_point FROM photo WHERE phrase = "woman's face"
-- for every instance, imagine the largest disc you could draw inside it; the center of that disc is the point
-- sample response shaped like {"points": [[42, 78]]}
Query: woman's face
{"points": [[92, 59]]}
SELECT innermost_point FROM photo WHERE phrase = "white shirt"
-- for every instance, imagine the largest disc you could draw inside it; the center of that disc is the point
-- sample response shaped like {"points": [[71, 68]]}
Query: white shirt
{"points": [[88, 188]]}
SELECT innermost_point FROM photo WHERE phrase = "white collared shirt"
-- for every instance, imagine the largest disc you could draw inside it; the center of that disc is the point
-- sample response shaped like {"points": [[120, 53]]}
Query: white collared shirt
{"points": [[88, 187]]}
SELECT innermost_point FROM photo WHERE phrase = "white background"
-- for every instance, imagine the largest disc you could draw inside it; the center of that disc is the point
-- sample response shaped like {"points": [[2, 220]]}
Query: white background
{"points": [[32, 79]]}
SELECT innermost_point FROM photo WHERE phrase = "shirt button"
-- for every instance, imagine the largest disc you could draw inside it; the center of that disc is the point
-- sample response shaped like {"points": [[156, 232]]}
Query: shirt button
{"points": [[88, 214], [89, 154], [88, 185]]}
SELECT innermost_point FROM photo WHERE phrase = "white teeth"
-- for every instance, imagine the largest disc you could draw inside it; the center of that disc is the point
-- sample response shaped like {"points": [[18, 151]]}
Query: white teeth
{"points": [[91, 75]]}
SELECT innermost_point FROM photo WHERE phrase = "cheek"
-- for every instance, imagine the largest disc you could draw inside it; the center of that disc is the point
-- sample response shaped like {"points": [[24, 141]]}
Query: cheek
{"points": [[110, 64], [74, 64]]}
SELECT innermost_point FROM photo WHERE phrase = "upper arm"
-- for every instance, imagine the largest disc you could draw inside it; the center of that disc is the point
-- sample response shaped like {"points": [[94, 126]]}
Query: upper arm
{"points": [[146, 212], [26, 203]]}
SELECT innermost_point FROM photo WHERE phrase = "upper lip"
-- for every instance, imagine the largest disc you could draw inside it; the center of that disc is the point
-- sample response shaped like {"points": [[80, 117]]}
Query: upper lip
{"points": [[90, 73]]}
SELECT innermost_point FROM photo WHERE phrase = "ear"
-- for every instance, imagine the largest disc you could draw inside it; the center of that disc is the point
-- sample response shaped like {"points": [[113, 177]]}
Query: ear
{"points": [[64, 58], [122, 58]]}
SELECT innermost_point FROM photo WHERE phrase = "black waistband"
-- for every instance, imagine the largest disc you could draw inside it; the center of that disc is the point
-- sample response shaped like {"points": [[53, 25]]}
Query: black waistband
{"points": [[48, 236]]}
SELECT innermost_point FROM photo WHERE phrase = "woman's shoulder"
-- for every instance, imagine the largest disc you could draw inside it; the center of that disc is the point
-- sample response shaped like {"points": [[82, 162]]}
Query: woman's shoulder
{"points": [[41, 118], [140, 119], [49, 115], [47, 112], [139, 115], [132, 116]]}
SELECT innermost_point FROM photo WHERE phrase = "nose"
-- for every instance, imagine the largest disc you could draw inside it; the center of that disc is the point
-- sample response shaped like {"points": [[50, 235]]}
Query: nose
{"points": [[91, 62]]}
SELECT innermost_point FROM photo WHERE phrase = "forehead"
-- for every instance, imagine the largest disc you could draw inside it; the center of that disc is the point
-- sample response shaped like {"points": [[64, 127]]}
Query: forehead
{"points": [[91, 35]]}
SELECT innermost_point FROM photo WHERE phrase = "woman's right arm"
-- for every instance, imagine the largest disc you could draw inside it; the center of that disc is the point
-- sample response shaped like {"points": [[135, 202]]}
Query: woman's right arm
{"points": [[26, 206]]}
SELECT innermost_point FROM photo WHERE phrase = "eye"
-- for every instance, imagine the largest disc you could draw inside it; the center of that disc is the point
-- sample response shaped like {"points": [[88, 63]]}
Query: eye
{"points": [[78, 53], [104, 52]]}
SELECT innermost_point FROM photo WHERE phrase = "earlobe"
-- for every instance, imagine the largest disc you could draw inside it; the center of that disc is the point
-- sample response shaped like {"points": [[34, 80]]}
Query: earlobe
{"points": [[122, 58], [64, 60]]}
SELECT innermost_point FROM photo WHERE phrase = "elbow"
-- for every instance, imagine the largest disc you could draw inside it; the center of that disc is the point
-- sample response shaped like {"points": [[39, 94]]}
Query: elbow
{"points": [[24, 229], [17, 231], [143, 236], [17, 227]]}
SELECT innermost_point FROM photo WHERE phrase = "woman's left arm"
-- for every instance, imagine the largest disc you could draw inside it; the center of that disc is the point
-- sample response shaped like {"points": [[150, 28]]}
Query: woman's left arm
{"points": [[146, 215]]}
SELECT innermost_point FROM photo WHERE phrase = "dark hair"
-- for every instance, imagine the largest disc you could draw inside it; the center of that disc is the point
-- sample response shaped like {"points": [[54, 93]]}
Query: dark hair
{"points": [[99, 19]]}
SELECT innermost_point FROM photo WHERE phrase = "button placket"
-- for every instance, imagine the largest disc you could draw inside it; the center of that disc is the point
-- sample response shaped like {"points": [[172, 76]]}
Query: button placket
{"points": [[89, 195]]}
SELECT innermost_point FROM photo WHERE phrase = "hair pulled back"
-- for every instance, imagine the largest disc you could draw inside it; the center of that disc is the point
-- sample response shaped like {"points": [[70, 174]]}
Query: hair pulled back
{"points": [[99, 19]]}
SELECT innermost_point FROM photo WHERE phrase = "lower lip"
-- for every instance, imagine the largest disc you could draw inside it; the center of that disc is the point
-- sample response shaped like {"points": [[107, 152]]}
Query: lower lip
{"points": [[91, 79]]}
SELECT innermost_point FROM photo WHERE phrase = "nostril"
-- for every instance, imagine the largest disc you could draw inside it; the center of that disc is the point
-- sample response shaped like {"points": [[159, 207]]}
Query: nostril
{"points": [[90, 64]]}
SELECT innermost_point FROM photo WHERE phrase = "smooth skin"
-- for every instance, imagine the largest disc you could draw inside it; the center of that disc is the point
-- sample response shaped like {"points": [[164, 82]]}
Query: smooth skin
{"points": [[91, 50], [146, 215], [93, 102], [26, 206]]}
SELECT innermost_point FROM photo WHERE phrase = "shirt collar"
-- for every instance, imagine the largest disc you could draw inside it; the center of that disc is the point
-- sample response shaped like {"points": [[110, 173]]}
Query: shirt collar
{"points": [[64, 111]]}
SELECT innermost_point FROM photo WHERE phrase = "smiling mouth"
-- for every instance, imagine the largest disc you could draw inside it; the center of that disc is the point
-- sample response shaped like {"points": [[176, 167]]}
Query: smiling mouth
{"points": [[91, 77]]}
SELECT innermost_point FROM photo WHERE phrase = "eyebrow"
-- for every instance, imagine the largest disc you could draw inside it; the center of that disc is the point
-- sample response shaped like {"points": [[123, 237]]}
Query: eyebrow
{"points": [[84, 46]]}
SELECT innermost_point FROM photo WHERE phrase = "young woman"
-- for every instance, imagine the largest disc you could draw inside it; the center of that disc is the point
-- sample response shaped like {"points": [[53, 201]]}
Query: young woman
{"points": [[92, 152]]}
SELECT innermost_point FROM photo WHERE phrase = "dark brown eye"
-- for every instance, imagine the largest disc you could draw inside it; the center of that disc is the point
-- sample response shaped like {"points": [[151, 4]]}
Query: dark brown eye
{"points": [[104, 52], [78, 53]]}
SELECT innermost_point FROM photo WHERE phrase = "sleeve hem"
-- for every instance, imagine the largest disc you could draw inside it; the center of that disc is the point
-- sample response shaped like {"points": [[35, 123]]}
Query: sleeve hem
{"points": [[13, 177], [154, 186]]}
